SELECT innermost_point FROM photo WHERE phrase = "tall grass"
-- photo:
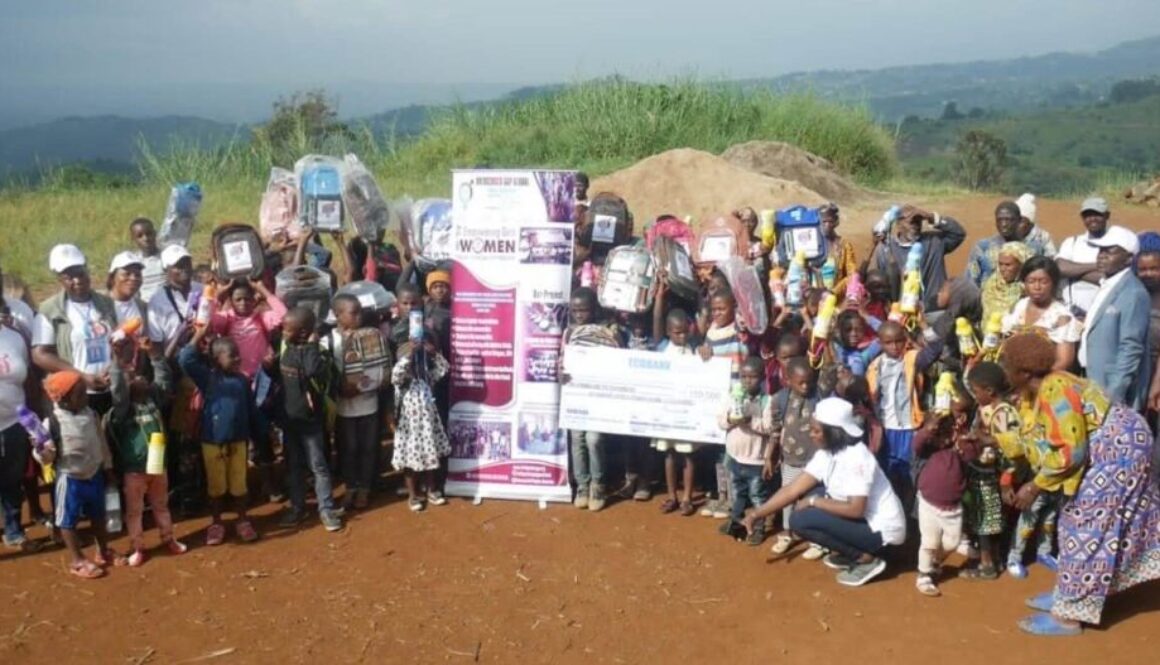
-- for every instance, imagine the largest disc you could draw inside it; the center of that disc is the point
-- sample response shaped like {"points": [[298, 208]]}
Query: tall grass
{"points": [[597, 127]]}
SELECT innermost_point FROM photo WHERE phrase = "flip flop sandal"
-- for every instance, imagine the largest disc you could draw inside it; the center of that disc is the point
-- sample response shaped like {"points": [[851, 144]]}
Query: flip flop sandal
{"points": [[669, 506], [246, 531], [1048, 626], [1041, 603], [688, 509], [86, 570], [215, 534]]}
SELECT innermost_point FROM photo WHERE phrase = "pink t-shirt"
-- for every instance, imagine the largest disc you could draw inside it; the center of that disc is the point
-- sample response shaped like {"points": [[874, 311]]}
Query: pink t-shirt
{"points": [[250, 333]]}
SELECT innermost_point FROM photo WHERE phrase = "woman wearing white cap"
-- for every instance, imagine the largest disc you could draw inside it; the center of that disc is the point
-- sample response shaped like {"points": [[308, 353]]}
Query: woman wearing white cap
{"points": [[171, 309], [843, 500], [74, 327]]}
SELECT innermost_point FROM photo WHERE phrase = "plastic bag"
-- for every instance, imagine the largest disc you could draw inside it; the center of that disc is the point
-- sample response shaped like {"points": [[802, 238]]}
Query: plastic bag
{"points": [[429, 234], [320, 192], [180, 214], [278, 212], [743, 279], [628, 281], [364, 200]]}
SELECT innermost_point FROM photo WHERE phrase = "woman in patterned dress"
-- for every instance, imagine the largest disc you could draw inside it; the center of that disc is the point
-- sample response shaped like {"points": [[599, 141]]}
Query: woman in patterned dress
{"points": [[1099, 456]]}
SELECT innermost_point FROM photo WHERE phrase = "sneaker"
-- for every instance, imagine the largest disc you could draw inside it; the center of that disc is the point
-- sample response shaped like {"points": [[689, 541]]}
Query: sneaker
{"points": [[642, 493], [783, 543], [814, 552], [755, 538], [290, 518], [331, 521], [436, 498], [722, 510], [837, 561], [967, 550], [581, 500], [1017, 570], [416, 505], [596, 498], [861, 573], [215, 534]]}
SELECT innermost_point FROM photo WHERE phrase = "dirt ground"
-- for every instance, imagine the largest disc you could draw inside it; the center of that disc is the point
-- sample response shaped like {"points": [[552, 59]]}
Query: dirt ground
{"points": [[506, 582]]}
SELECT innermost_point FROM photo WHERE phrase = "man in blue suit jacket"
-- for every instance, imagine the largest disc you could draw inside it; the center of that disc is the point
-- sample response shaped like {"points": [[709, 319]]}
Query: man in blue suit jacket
{"points": [[1114, 348]]}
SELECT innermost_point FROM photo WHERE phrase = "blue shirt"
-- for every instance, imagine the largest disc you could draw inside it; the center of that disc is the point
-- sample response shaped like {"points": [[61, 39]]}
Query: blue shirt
{"points": [[229, 411]]}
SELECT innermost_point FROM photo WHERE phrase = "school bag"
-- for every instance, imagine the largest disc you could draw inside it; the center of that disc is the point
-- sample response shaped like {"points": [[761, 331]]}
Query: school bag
{"points": [[426, 228], [180, 214], [608, 221], [304, 286], [320, 192], [800, 228], [667, 226], [628, 280], [743, 279], [593, 334], [321, 391], [236, 251], [364, 200], [278, 211], [362, 350], [679, 275], [722, 238]]}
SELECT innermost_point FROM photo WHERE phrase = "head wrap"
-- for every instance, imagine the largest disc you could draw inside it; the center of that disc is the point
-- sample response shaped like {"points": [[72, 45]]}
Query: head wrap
{"points": [[1026, 205], [438, 276], [1016, 249], [59, 384]]}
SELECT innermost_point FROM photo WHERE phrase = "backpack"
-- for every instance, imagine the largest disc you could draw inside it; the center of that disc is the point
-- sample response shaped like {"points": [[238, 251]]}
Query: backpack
{"points": [[278, 212], [800, 228], [672, 228], [628, 280], [743, 279], [322, 392], [369, 214], [720, 239], [236, 251], [679, 275], [320, 192], [593, 334], [608, 221]]}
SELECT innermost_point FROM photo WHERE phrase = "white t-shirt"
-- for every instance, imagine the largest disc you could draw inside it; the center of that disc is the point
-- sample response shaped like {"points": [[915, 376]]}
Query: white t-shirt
{"points": [[1078, 292], [853, 471], [1057, 320], [22, 314], [91, 351], [13, 372], [165, 322], [127, 310], [152, 275]]}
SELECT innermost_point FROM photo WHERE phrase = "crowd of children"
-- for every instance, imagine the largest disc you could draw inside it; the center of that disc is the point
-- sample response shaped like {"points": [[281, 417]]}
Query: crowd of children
{"points": [[918, 389]]}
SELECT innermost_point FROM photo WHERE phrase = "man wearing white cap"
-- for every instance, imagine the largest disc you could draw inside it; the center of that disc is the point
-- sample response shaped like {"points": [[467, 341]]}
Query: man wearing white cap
{"points": [[74, 327], [1077, 258], [1034, 236], [1115, 337], [171, 308]]}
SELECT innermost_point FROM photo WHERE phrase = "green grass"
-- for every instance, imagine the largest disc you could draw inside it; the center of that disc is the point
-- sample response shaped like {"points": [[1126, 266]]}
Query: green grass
{"points": [[596, 127]]}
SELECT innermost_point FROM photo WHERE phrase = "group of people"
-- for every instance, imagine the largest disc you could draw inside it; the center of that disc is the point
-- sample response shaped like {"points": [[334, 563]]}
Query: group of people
{"points": [[1008, 409], [1009, 414]]}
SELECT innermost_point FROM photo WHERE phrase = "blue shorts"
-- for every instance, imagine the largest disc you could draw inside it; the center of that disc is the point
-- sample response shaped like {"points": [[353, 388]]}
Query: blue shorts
{"points": [[77, 499]]}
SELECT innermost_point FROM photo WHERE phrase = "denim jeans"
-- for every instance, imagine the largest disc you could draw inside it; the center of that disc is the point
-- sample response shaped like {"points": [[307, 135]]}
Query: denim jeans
{"points": [[306, 446], [14, 452], [749, 488], [851, 538], [587, 458], [358, 442]]}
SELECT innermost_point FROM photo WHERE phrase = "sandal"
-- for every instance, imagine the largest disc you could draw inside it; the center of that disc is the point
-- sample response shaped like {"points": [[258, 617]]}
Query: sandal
{"points": [[109, 558], [175, 546], [783, 543], [688, 509], [981, 573], [1048, 626], [215, 534], [926, 586], [137, 559], [246, 531], [669, 506], [86, 570]]}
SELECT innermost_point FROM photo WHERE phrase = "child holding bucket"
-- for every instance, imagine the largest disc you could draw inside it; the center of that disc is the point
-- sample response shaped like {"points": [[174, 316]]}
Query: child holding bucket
{"points": [[138, 441]]}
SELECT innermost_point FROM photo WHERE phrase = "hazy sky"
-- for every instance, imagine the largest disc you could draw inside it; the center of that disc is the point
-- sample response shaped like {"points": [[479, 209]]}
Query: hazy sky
{"points": [[92, 56]]}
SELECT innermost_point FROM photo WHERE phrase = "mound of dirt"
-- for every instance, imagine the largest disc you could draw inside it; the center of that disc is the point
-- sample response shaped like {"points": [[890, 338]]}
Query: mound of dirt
{"points": [[782, 160], [691, 182], [1146, 193]]}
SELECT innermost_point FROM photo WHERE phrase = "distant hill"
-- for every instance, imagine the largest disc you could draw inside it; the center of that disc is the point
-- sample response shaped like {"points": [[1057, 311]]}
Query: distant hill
{"points": [[1055, 151], [1045, 81], [104, 139]]}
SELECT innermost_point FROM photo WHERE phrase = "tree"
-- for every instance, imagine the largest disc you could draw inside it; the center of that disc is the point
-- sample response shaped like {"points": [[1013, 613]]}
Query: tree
{"points": [[951, 112], [980, 159], [1133, 90], [301, 123]]}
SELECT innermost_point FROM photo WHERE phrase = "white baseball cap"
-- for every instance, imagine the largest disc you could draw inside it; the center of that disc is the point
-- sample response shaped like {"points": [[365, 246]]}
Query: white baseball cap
{"points": [[1118, 236], [837, 412], [63, 257], [124, 260], [172, 254]]}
